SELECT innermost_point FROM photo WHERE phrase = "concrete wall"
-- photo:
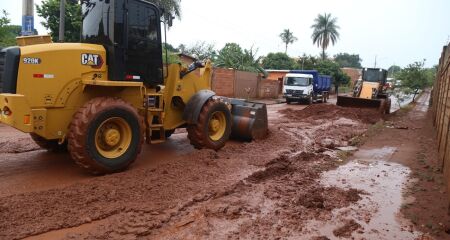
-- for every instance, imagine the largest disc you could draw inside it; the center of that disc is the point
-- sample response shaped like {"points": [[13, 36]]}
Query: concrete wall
{"points": [[441, 111]]}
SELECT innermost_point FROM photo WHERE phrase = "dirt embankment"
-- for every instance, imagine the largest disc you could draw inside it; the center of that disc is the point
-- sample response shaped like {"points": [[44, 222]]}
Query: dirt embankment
{"points": [[15, 142], [259, 190], [333, 112]]}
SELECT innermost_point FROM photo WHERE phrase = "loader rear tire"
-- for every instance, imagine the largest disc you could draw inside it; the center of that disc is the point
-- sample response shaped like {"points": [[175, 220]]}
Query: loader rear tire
{"points": [[213, 127], [49, 145], [106, 135]]}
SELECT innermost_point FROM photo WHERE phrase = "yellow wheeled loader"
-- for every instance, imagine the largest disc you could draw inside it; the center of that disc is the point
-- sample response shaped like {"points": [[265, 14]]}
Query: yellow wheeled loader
{"points": [[370, 92], [102, 98]]}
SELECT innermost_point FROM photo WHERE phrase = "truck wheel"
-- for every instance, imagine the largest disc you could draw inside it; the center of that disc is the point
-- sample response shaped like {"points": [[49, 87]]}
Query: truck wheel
{"points": [[106, 135], [310, 100], [49, 145], [213, 127], [288, 101]]}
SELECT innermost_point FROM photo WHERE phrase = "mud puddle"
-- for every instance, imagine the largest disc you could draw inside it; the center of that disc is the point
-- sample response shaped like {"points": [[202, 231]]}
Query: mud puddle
{"points": [[377, 214]]}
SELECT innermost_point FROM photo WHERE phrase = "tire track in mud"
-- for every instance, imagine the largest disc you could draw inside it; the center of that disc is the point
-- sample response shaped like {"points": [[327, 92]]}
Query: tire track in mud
{"points": [[260, 189], [159, 190]]}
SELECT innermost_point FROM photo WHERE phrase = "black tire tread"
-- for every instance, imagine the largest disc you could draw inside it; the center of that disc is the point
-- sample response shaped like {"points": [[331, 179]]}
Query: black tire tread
{"points": [[196, 134], [80, 123]]}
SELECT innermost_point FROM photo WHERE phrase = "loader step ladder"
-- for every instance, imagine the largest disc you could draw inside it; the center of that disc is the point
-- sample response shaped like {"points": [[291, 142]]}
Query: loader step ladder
{"points": [[155, 109]]}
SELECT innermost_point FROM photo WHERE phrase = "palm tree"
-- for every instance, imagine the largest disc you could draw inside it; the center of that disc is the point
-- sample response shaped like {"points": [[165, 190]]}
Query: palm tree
{"points": [[325, 30], [172, 7], [288, 38]]}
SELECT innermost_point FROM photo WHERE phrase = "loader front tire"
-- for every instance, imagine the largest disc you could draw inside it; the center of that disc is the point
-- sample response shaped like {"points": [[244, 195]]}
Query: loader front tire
{"points": [[213, 127], [106, 135], [49, 145]]}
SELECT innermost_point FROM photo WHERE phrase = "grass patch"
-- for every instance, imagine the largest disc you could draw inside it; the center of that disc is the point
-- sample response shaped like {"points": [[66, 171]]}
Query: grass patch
{"points": [[371, 131]]}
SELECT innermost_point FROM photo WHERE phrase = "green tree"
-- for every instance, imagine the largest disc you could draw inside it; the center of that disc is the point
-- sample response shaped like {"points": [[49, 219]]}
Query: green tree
{"points": [[415, 77], [279, 61], [49, 10], [307, 62], [233, 56], [200, 50], [348, 60], [8, 33], [171, 7], [325, 30], [327, 67], [172, 57], [288, 38], [392, 70]]}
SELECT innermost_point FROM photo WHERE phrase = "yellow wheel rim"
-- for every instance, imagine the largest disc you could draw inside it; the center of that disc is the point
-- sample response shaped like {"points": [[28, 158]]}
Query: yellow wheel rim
{"points": [[113, 137], [217, 126]]}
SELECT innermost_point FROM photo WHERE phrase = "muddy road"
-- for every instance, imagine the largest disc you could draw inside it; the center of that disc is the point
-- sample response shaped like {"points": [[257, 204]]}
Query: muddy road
{"points": [[280, 187]]}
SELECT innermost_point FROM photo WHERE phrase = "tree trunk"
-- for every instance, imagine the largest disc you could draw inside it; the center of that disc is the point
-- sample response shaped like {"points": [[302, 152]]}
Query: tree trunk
{"points": [[323, 53], [285, 50]]}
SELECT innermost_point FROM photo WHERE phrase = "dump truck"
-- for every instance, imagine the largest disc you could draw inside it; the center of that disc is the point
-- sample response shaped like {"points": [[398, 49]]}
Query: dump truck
{"points": [[100, 99], [370, 92], [306, 85]]}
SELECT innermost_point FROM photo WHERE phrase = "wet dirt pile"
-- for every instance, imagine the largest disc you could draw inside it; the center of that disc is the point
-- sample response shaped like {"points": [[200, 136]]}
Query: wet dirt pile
{"points": [[322, 127], [137, 199], [263, 189], [347, 229], [19, 145], [13, 141], [332, 112], [273, 202]]}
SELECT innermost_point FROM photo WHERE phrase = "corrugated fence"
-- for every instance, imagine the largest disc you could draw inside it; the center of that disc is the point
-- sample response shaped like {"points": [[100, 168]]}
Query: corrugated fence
{"points": [[441, 110]]}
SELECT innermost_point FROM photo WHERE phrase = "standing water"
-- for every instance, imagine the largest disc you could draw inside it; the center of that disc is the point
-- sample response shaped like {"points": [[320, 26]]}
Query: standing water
{"points": [[378, 212]]}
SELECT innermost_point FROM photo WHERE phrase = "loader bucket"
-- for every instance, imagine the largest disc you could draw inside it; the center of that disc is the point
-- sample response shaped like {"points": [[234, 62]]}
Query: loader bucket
{"points": [[346, 101], [249, 120]]}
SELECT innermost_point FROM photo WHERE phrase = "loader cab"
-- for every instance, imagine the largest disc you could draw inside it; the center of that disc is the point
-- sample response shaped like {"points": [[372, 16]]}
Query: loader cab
{"points": [[375, 75], [130, 31]]}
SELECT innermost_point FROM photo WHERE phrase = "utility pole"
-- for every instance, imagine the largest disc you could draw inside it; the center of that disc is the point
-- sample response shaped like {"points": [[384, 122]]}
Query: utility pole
{"points": [[62, 15], [27, 17], [375, 65]]}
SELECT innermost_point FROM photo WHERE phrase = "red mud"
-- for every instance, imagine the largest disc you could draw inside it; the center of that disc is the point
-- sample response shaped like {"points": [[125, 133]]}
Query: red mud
{"points": [[347, 229], [266, 189], [330, 112]]}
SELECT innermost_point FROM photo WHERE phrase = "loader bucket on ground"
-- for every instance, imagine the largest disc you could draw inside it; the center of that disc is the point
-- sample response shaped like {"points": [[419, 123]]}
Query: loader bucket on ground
{"points": [[346, 101], [249, 120]]}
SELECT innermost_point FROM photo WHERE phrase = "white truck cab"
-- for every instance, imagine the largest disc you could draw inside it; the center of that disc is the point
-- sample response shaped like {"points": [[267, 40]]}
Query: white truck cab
{"points": [[297, 87]]}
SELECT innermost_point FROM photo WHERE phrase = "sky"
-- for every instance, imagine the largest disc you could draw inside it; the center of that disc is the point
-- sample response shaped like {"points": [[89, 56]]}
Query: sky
{"points": [[392, 31]]}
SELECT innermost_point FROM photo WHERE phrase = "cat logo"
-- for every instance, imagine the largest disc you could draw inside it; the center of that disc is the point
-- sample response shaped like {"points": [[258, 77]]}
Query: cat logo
{"points": [[93, 60]]}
